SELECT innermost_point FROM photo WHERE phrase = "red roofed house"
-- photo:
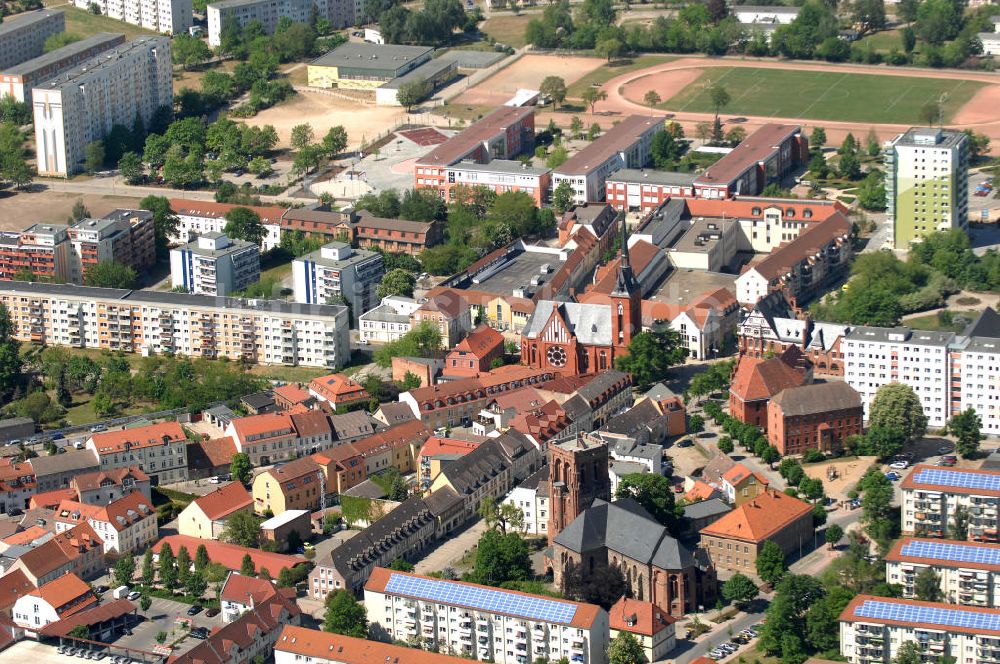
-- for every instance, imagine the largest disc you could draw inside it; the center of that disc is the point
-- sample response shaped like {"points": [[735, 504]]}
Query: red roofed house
{"points": [[266, 438], [652, 627], [343, 467], [244, 593], [296, 485], [126, 525], [298, 644], [760, 158], [43, 563], [230, 556], [742, 484], [85, 550], [206, 517], [474, 354], [104, 486], [288, 396], [17, 485], [439, 451], [820, 416], [51, 499], [210, 457], [338, 390], [734, 540], [756, 380], [52, 602], [397, 447], [699, 491], [13, 585], [159, 450], [448, 311]]}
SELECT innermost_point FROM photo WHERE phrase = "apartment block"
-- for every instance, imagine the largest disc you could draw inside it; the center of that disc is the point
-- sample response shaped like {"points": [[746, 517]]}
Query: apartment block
{"points": [[337, 271], [628, 144], [123, 235], [873, 629], [503, 134], [298, 644], [969, 572], [41, 249], [16, 81], [83, 104], [166, 16], [213, 264], [484, 623], [340, 13], [394, 236], [933, 495], [22, 36], [762, 158], [500, 176], [159, 450], [926, 183], [644, 190], [262, 331], [389, 321]]}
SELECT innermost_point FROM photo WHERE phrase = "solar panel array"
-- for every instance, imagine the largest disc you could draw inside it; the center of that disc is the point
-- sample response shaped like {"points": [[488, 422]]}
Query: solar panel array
{"points": [[958, 479], [939, 617], [959, 553], [481, 598]]}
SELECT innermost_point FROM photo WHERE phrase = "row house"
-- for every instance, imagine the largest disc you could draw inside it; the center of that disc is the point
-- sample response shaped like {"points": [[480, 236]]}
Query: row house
{"points": [[17, 485], [298, 644], [105, 486], [52, 602]]}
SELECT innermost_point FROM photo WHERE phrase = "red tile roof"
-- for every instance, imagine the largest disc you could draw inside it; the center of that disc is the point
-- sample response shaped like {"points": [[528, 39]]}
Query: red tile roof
{"points": [[338, 389], [293, 470], [759, 519], [748, 207], [756, 379], [614, 140], [78, 540], [13, 585], [113, 442], [292, 393], [436, 445], [756, 147], [25, 536], [468, 388], [475, 135], [256, 429], [218, 451], [68, 591], [810, 241], [224, 501], [115, 476], [243, 634], [230, 556], [638, 617], [407, 433], [91, 616], [311, 423], [45, 559], [192, 208], [349, 650], [481, 342], [700, 491], [739, 472]]}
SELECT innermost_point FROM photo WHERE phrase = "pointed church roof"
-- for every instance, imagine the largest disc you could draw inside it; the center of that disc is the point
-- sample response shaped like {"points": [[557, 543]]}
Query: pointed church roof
{"points": [[987, 324], [590, 323], [625, 284]]}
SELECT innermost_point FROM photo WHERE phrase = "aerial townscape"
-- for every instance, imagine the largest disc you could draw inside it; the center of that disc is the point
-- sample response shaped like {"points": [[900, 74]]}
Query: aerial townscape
{"points": [[564, 332]]}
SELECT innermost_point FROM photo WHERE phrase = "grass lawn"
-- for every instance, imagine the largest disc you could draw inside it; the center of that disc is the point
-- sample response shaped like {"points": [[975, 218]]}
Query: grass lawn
{"points": [[788, 93], [507, 28], [606, 72], [883, 41], [82, 410], [289, 374], [85, 24], [933, 323]]}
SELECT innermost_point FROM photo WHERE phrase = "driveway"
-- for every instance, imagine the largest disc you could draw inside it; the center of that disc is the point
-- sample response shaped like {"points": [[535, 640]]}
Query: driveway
{"points": [[451, 550]]}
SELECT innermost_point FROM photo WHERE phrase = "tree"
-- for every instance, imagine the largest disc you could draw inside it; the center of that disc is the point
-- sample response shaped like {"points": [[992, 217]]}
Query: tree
{"points": [[869, 15], [247, 568], [201, 559], [562, 196], [959, 527], [124, 570], [833, 534], [110, 274], [967, 428], [396, 282], [165, 221], [411, 381], [739, 590], [302, 136], [244, 224], [421, 341], [823, 618], [930, 112], [871, 192], [896, 406], [242, 528], [651, 354], [557, 157], [909, 38], [725, 445], [505, 517], [335, 141], [593, 95], [93, 156], [719, 97], [553, 87], [927, 585], [189, 51], [653, 492], [625, 649], [849, 166], [145, 601], [770, 563], [818, 138], [609, 49], [909, 653], [344, 615], [148, 571], [183, 565], [196, 585], [168, 569], [240, 468], [80, 632], [651, 99], [501, 558], [593, 132], [130, 166]]}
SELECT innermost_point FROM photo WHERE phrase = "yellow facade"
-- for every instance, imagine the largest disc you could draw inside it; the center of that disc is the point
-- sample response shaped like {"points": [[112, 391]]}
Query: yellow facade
{"points": [[301, 493], [325, 76]]}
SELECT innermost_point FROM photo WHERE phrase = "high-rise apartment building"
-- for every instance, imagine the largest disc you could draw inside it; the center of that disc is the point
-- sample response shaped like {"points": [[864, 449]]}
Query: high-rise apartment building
{"points": [[169, 16], [213, 264], [150, 322], [83, 104], [926, 183], [41, 249], [17, 81], [936, 499], [336, 271], [340, 13], [22, 37]]}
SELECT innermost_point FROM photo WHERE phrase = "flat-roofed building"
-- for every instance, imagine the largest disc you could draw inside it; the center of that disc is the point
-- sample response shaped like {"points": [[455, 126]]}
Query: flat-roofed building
{"points": [[123, 235], [488, 624], [500, 176], [213, 264], [340, 14], [16, 81], [628, 144], [337, 271], [81, 105], [435, 72], [363, 66], [644, 190], [41, 249], [968, 572], [874, 629], [932, 495], [164, 16], [761, 158], [22, 36]]}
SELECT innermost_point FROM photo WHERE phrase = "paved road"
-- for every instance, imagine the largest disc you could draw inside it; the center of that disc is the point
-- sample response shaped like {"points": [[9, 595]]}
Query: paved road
{"points": [[115, 186]]}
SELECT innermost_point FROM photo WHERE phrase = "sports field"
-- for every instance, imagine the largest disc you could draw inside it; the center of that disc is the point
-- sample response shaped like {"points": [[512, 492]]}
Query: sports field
{"points": [[823, 95]]}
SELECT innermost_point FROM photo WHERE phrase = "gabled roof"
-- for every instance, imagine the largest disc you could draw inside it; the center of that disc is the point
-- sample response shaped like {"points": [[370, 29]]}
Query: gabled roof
{"points": [[716, 468], [224, 501], [987, 324], [44, 559], [739, 472], [230, 556], [217, 451], [810, 241], [756, 379], [292, 393], [89, 616], [396, 413], [113, 442], [242, 634], [26, 536], [293, 470], [257, 428], [115, 477], [480, 342], [13, 585], [349, 650], [312, 423], [638, 617], [338, 388], [64, 590], [357, 423], [759, 519], [590, 323], [817, 399], [700, 491]]}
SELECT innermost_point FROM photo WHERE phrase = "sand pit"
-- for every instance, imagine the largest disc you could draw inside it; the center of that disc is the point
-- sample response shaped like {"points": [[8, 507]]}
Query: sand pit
{"points": [[666, 83], [527, 72], [849, 471], [323, 111]]}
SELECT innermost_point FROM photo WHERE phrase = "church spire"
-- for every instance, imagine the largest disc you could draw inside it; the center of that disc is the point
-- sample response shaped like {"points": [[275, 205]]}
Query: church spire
{"points": [[625, 284]]}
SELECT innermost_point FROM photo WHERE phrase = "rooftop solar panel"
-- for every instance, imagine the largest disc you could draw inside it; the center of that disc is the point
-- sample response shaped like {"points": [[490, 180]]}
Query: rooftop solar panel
{"points": [[941, 617], [958, 479], [959, 553], [482, 598]]}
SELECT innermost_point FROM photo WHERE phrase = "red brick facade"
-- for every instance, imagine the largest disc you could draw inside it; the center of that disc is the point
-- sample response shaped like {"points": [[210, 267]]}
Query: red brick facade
{"points": [[814, 417]]}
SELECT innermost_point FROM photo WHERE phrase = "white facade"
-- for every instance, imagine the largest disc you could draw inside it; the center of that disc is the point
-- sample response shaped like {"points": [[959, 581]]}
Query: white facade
{"points": [[166, 459], [990, 42], [968, 584], [169, 16], [929, 510], [195, 224], [33, 612], [340, 13], [778, 15], [215, 265], [389, 321], [262, 331], [22, 36], [535, 505], [751, 287], [82, 105], [336, 271]]}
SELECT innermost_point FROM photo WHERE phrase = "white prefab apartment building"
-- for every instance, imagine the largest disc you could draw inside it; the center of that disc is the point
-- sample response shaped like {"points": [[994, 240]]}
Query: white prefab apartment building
{"points": [[949, 372], [151, 322], [340, 13], [169, 16], [969, 572], [873, 629], [933, 494], [335, 271], [84, 103], [215, 265], [389, 321], [22, 37], [489, 624]]}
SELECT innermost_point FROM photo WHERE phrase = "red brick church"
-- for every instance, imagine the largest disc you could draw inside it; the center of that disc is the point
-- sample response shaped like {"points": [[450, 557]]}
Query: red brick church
{"points": [[575, 338]]}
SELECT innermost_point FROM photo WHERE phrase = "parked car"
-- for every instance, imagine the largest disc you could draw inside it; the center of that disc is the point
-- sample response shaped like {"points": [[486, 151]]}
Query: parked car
{"points": [[900, 465], [200, 633], [211, 613], [892, 477], [194, 610], [134, 595]]}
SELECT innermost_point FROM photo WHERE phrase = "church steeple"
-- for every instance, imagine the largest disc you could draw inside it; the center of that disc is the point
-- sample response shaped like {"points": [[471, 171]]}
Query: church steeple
{"points": [[626, 298], [625, 284]]}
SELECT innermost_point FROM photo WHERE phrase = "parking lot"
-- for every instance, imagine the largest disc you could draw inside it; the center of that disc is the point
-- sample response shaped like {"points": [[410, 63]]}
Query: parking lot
{"points": [[162, 616]]}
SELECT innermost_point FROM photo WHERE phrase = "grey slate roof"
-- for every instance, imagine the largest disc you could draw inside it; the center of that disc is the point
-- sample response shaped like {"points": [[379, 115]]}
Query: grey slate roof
{"points": [[577, 408], [660, 392], [623, 468], [366, 489], [706, 508], [626, 528], [352, 425], [631, 448], [396, 413], [631, 421], [538, 477], [987, 324], [590, 322], [411, 514], [82, 460], [600, 383], [817, 398]]}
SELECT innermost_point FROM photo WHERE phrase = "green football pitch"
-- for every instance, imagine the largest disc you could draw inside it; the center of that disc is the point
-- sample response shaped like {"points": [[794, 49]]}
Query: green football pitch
{"points": [[820, 95]]}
